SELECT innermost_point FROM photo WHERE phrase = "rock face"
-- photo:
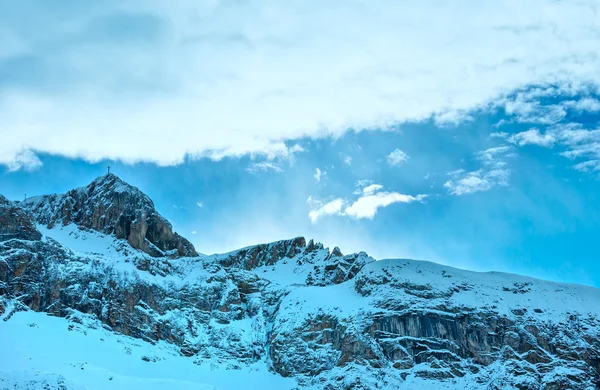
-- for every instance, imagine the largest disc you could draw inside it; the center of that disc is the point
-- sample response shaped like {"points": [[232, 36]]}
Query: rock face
{"points": [[111, 206], [16, 223], [328, 320]]}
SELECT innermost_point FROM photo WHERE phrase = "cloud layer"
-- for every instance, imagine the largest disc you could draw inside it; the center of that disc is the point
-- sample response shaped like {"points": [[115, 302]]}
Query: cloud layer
{"points": [[162, 81]]}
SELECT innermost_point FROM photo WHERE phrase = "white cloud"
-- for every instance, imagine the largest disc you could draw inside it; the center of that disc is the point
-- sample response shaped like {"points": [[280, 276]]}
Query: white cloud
{"points": [[226, 79], [371, 199], [491, 156], [532, 136], [528, 111], [452, 118], [319, 174], [348, 160], [493, 172], [23, 160], [366, 206], [371, 189], [586, 104], [331, 208], [575, 141], [580, 143], [194, 232], [263, 166], [463, 182], [586, 166], [397, 157], [199, 204]]}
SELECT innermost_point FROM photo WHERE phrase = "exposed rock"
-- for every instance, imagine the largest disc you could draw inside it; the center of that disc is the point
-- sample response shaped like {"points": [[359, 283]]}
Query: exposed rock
{"points": [[336, 268], [15, 222], [111, 206], [264, 254]]}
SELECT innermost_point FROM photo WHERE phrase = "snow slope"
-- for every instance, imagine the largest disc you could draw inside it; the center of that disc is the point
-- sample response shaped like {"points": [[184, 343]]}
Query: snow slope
{"points": [[47, 351]]}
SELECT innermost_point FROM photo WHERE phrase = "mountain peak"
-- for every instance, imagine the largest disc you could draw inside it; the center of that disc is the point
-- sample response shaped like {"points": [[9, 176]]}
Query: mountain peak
{"points": [[112, 206], [112, 186]]}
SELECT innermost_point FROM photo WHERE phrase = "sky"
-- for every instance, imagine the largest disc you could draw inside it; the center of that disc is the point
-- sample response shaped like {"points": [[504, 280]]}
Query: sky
{"points": [[465, 133]]}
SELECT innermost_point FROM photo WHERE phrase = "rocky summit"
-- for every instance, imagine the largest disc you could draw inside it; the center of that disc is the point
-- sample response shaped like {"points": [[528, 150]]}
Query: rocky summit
{"points": [[98, 291]]}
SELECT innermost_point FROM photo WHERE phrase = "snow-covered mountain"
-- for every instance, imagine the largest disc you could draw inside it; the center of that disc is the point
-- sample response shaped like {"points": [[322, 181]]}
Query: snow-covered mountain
{"points": [[97, 291]]}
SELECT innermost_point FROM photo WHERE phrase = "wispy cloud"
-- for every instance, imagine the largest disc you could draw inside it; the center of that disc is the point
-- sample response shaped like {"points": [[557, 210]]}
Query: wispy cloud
{"points": [[367, 205], [527, 111], [532, 136], [587, 166], [397, 157], [263, 166], [464, 182], [319, 174], [576, 142], [25, 160], [586, 104], [493, 172], [371, 199]]}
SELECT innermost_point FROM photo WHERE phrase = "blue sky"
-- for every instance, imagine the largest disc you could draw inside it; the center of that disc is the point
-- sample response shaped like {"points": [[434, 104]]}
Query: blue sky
{"points": [[462, 135]]}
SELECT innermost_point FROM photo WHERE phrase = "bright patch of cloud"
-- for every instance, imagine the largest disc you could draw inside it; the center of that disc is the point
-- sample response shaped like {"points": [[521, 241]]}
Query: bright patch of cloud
{"points": [[526, 111], [229, 79], [576, 142], [451, 118], [584, 105], [199, 204], [371, 189], [367, 205], [532, 137], [331, 208], [463, 182], [493, 156], [493, 172], [586, 166], [348, 160], [371, 199], [397, 157], [25, 160]]}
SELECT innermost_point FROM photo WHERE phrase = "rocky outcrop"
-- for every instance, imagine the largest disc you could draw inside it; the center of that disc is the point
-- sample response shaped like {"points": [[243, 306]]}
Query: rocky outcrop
{"points": [[337, 268], [15, 222], [265, 254], [111, 206]]}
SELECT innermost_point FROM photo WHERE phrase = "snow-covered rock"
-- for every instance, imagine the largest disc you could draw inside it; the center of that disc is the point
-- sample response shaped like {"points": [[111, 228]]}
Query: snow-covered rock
{"points": [[15, 222], [296, 309], [111, 206]]}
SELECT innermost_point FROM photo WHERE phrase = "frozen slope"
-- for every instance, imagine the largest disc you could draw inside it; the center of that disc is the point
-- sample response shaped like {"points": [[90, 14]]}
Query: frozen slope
{"points": [[47, 352]]}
